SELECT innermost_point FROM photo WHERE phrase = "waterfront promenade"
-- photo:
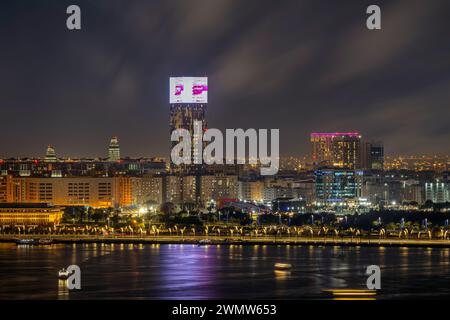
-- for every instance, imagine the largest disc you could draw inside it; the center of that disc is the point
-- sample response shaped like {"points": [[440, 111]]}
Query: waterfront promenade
{"points": [[241, 240]]}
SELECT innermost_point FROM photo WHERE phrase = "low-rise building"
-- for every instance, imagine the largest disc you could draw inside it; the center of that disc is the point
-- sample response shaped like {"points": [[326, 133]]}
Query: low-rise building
{"points": [[97, 192], [27, 214]]}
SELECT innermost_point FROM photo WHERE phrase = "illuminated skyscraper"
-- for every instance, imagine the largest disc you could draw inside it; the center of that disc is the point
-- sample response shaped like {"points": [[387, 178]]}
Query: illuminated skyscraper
{"points": [[336, 184], [182, 116], [338, 149], [188, 103], [114, 150]]}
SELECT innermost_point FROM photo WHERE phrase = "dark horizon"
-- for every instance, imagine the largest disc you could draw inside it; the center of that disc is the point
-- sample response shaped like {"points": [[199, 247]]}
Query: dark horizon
{"points": [[300, 66]]}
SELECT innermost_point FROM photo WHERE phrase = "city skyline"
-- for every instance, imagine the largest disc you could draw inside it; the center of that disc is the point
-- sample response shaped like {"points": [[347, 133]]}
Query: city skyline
{"points": [[103, 154], [111, 78], [223, 158]]}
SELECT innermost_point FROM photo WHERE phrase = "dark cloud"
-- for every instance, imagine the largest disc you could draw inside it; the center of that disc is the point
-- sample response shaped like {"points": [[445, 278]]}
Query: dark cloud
{"points": [[300, 66]]}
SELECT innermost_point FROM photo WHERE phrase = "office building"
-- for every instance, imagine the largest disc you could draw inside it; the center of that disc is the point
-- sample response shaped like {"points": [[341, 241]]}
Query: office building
{"points": [[114, 150], [336, 185]]}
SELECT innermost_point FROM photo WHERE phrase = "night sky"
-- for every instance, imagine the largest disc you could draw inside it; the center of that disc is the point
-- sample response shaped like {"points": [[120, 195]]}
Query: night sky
{"points": [[300, 66]]}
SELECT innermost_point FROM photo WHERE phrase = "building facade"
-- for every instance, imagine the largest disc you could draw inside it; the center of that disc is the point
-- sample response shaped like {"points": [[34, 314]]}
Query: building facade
{"points": [[218, 187], [337, 185], [373, 155], [114, 150], [74, 191], [183, 116], [30, 214], [437, 191]]}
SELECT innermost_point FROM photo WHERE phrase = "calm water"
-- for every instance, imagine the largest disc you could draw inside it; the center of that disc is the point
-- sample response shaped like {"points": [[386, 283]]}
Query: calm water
{"points": [[218, 272]]}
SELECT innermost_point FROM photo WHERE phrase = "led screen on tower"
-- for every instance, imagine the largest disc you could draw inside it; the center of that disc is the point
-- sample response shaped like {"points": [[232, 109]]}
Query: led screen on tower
{"points": [[188, 90]]}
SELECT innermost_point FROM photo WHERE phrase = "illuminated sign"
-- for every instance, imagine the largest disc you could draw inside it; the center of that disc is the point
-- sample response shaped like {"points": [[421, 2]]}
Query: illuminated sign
{"points": [[188, 90]]}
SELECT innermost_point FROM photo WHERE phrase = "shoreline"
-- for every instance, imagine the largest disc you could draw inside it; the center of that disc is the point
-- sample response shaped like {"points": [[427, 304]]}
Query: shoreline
{"points": [[345, 242]]}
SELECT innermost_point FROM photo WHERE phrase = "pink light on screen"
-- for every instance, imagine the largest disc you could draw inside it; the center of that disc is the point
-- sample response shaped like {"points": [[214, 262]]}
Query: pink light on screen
{"points": [[179, 89], [199, 89]]}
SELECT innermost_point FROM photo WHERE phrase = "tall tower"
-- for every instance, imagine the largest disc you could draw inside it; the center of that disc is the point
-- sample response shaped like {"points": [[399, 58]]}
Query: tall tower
{"points": [[188, 103], [114, 150]]}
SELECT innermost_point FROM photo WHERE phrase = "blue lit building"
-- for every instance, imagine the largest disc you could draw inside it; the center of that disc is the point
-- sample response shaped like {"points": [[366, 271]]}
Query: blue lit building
{"points": [[335, 185]]}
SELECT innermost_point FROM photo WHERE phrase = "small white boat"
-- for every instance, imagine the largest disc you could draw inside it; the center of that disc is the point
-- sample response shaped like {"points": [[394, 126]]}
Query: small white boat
{"points": [[204, 242], [283, 266], [63, 274], [25, 241]]}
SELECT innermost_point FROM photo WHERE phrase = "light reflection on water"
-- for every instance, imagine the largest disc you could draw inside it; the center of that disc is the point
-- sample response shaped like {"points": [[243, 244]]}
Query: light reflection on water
{"points": [[63, 291], [218, 272]]}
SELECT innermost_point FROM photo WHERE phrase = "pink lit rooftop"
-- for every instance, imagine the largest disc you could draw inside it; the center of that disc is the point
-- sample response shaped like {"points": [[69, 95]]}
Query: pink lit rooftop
{"points": [[335, 134]]}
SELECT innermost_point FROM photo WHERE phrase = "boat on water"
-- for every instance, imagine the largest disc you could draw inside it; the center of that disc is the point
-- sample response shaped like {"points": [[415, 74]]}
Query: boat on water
{"points": [[25, 241], [283, 266], [45, 241], [31, 242], [63, 274], [204, 242]]}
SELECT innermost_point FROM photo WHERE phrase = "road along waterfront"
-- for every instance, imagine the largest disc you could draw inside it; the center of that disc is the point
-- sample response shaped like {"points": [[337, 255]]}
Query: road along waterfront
{"points": [[247, 240]]}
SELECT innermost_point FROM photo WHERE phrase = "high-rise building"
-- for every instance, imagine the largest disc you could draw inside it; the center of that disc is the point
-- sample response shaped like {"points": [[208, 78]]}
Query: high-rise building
{"points": [[336, 184], [251, 190], [437, 191], [173, 191], [182, 116], [152, 190], [50, 155], [218, 187], [337, 149], [373, 155], [188, 103], [114, 150]]}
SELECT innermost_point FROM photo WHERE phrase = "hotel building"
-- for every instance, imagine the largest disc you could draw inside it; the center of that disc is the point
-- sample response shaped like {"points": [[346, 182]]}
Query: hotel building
{"points": [[338, 149]]}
